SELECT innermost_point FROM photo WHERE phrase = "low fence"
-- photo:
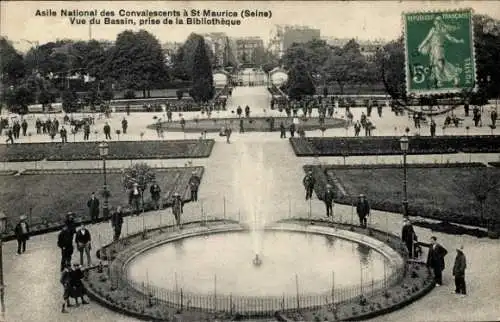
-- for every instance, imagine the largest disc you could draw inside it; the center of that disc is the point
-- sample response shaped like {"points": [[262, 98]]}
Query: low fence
{"points": [[212, 301]]}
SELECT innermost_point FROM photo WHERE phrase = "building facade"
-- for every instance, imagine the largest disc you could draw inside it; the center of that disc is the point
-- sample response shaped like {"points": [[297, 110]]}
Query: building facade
{"points": [[247, 49], [284, 36]]}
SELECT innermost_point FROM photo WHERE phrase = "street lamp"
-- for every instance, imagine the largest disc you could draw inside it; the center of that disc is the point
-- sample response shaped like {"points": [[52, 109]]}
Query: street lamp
{"points": [[3, 226], [404, 147], [103, 152]]}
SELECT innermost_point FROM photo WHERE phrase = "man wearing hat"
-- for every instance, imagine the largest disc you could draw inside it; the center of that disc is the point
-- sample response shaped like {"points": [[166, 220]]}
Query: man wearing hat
{"points": [[328, 200], [194, 184], [409, 237], [309, 182], [155, 191], [93, 205], [459, 271], [83, 244], [135, 198], [177, 208], [22, 231], [363, 210]]}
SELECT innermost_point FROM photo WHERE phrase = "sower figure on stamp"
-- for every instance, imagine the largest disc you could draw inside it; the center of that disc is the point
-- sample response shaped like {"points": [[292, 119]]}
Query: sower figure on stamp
{"points": [[194, 185], [328, 200], [363, 210], [177, 209], [309, 182]]}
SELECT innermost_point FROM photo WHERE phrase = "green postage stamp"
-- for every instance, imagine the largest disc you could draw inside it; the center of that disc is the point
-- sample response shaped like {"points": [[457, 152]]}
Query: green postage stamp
{"points": [[439, 49]]}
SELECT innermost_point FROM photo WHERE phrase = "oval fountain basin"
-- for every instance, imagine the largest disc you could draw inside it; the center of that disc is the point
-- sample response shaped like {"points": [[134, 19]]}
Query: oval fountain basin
{"points": [[223, 263]]}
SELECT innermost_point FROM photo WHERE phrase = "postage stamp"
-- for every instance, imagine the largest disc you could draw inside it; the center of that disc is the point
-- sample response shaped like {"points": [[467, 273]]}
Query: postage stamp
{"points": [[439, 49]]}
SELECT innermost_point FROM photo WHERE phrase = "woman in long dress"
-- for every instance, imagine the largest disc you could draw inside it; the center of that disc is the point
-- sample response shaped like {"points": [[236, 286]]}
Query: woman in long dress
{"points": [[434, 46]]}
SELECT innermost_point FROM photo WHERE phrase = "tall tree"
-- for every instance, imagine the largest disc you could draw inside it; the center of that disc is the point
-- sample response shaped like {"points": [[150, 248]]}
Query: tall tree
{"points": [[12, 68], [300, 82], [137, 61], [202, 89]]}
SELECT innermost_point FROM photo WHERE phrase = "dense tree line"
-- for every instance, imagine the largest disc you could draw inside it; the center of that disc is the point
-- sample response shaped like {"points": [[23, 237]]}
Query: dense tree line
{"points": [[135, 61]]}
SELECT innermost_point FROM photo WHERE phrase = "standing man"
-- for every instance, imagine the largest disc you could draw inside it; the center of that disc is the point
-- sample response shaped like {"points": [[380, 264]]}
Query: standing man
{"points": [[435, 260], [363, 210], [328, 199], [155, 191], [134, 198], [22, 231], [24, 126], [194, 184], [494, 116], [459, 272], [309, 182], [86, 131], [117, 223], [177, 208], [83, 244], [433, 128], [409, 237], [65, 242], [93, 205], [107, 131], [124, 125]]}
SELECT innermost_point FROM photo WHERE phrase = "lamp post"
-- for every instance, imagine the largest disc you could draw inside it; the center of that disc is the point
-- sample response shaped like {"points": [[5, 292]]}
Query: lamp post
{"points": [[3, 226], [103, 152], [404, 147]]}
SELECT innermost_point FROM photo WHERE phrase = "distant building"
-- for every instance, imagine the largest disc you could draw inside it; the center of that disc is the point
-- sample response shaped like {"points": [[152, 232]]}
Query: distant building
{"points": [[284, 36], [246, 49], [222, 48], [170, 50]]}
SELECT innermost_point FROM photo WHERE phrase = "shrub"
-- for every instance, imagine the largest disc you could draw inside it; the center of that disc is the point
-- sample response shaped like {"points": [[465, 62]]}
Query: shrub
{"points": [[129, 94]]}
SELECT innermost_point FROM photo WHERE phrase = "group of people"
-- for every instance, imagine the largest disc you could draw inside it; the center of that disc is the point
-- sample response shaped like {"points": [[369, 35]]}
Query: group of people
{"points": [[436, 254]]}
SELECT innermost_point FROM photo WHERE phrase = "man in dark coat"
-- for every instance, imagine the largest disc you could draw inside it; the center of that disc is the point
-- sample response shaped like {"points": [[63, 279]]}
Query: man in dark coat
{"points": [[409, 237], [155, 191], [93, 205], [107, 131], [435, 260], [363, 210], [282, 131], [194, 185], [22, 231], [86, 131], [24, 126], [65, 242], [328, 200], [124, 125], [459, 271], [177, 208], [134, 198], [308, 183], [117, 223]]}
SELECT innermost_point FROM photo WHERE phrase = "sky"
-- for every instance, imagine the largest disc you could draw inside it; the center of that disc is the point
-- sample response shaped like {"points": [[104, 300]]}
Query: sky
{"points": [[367, 20]]}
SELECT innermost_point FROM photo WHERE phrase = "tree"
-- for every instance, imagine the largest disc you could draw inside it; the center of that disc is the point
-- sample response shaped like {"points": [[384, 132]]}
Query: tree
{"points": [[202, 88], [300, 82], [140, 173], [482, 188], [391, 61], [69, 101], [137, 61], [17, 99], [184, 59], [12, 68]]}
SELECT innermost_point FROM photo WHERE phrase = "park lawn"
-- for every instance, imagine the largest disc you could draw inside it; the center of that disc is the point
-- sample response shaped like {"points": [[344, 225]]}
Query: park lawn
{"points": [[51, 195], [251, 124], [441, 193]]}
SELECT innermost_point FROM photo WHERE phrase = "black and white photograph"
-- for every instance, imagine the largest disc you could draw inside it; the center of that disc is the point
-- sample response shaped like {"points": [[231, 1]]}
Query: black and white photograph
{"points": [[196, 161]]}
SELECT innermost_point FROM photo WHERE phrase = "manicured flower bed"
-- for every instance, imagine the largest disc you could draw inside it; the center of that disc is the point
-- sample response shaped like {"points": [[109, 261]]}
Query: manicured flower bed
{"points": [[108, 285], [46, 196], [437, 191], [388, 145], [252, 124], [118, 150]]}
